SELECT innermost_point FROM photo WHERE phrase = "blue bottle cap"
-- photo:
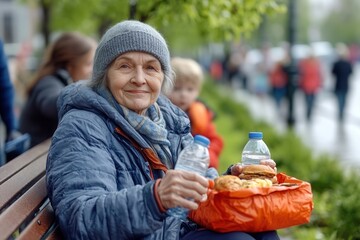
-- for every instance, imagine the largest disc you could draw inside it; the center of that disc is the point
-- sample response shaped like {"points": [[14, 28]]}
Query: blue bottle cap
{"points": [[202, 140], [255, 135]]}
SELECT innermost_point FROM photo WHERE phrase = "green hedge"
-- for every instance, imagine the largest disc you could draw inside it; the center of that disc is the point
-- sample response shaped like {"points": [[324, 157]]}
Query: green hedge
{"points": [[336, 194]]}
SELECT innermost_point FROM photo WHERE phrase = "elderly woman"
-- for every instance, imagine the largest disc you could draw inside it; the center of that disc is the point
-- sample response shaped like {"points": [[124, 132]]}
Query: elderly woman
{"points": [[109, 169]]}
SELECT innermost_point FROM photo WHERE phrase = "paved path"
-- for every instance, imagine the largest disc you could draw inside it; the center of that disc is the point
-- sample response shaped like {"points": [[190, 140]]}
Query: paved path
{"points": [[323, 134]]}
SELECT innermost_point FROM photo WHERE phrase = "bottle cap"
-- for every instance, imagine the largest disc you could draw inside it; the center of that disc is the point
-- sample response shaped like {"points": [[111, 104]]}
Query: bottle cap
{"points": [[202, 140], [255, 135]]}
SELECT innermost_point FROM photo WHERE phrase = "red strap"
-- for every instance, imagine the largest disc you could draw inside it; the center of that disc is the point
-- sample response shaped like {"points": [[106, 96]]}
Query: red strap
{"points": [[157, 197], [147, 153]]}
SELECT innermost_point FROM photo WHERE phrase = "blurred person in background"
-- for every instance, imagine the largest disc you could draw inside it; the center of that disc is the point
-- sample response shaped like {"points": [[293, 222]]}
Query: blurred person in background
{"points": [[8, 118], [261, 72], [216, 70], [310, 81], [188, 82], [341, 70], [278, 82], [69, 59], [236, 75]]}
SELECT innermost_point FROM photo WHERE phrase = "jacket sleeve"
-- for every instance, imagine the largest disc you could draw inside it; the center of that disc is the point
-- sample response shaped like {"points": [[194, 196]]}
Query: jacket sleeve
{"points": [[84, 189], [46, 93], [7, 94]]}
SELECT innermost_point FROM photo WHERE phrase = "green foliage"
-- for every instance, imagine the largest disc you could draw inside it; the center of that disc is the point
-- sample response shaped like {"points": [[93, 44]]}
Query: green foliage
{"points": [[333, 27], [326, 174], [322, 213], [274, 27], [204, 20], [87, 16], [336, 193], [217, 20], [346, 206]]}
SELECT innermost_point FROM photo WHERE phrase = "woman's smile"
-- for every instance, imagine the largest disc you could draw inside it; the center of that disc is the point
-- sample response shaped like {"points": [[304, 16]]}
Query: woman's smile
{"points": [[136, 91]]}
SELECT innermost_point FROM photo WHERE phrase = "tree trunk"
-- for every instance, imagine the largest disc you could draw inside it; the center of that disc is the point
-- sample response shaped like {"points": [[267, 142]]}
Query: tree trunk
{"points": [[45, 24], [132, 10]]}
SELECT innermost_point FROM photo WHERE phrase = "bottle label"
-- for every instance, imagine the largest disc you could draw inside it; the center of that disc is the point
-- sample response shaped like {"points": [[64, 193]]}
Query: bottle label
{"points": [[192, 166], [251, 159]]}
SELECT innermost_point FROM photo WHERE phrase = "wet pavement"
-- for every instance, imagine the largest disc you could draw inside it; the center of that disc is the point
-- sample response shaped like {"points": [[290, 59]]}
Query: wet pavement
{"points": [[324, 134]]}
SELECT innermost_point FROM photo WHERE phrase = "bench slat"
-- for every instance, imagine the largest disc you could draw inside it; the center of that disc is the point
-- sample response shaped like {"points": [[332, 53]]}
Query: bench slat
{"points": [[21, 179], [24, 205], [29, 202], [20, 162], [40, 225]]}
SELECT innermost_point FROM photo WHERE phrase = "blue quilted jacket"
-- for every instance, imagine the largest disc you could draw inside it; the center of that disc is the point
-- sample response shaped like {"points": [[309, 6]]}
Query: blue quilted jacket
{"points": [[99, 185]]}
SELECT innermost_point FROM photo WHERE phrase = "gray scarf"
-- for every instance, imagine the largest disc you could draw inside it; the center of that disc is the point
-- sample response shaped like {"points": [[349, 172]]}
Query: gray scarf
{"points": [[152, 127]]}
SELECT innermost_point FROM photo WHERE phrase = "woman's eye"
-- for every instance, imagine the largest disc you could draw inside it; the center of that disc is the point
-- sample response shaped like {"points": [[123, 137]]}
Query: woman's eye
{"points": [[150, 68], [124, 66], [153, 66]]}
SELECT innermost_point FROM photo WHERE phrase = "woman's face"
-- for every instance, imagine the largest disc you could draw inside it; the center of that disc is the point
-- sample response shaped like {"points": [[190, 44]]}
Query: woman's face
{"points": [[135, 80], [82, 68]]}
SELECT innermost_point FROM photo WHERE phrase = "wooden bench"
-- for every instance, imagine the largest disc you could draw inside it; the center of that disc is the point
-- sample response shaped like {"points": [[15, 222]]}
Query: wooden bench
{"points": [[25, 210]]}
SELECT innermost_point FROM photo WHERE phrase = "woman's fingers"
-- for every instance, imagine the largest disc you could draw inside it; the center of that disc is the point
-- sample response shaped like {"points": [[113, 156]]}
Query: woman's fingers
{"points": [[177, 188], [271, 163], [238, 168]]}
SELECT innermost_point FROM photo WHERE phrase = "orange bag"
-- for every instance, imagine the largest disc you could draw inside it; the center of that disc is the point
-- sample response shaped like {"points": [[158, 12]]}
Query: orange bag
{"points": [[257, 209]]}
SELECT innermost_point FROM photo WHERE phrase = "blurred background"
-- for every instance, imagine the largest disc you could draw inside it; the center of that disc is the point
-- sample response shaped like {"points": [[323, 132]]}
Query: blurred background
{"points": [[239, 43], [207, 30]]}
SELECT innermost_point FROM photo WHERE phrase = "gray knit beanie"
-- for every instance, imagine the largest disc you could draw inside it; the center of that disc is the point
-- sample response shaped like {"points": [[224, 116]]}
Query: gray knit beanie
{"points": [[128, 36]]}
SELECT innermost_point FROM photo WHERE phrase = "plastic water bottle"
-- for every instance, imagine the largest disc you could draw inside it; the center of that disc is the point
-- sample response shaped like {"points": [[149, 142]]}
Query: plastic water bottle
{"points": [[255, 149], [193, 158]]}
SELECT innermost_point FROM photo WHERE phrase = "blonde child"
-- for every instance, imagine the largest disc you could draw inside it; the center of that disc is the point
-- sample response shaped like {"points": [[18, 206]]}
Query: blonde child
{"points": [[187, 87]]}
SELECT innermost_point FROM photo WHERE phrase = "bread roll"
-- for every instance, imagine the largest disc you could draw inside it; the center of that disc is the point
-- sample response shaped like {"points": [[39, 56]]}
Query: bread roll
{"points": [[228, 183], [234, 183]]}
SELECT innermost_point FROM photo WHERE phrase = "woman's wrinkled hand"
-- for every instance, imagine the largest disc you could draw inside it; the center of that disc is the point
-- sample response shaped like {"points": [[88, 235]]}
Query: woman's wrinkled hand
{"points": [[177, 187], [238, 168]]}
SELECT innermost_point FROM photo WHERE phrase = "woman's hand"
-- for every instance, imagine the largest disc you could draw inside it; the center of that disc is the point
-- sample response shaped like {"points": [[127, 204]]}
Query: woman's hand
{"points": [[238, 168], [177, 187]]}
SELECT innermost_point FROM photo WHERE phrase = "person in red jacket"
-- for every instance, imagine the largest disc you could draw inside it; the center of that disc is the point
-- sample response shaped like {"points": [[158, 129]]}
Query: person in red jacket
{"points": [[278, 81], [187, 87], [310, 81]]}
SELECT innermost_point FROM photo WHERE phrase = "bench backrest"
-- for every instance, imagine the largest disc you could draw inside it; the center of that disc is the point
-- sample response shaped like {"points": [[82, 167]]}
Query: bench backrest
{"points": [[25, 210]]}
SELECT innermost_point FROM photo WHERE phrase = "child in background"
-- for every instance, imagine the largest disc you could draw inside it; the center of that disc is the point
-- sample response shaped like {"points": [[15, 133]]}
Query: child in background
{"points": [[187, 87]]}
